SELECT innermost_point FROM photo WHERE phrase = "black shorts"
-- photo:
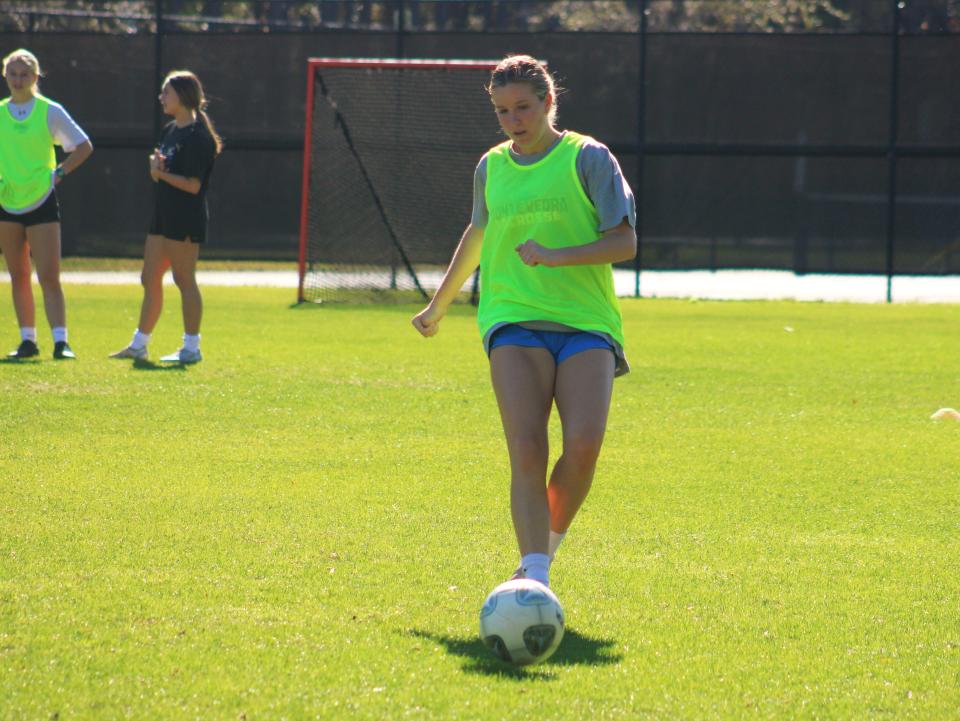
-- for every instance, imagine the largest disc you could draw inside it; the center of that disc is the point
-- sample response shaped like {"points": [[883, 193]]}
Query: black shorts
{"points": [[49, 212], [175, 228]]}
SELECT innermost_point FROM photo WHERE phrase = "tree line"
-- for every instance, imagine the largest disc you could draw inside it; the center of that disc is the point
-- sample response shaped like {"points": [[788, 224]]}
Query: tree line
{"points": [[773, 16]]}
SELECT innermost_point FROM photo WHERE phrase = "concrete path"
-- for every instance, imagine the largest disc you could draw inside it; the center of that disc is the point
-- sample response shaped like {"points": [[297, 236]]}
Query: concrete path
{"points": [[720, 285]]}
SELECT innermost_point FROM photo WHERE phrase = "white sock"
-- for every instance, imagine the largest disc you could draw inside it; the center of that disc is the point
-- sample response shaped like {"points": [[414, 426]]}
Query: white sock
{"points": [[140, 339], [28, 334], [60, 334], [191, 342], [555, 540], [536, 566]]}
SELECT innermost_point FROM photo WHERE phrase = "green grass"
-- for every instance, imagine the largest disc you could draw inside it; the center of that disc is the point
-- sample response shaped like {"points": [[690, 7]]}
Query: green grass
{"points": [[304, 525]]}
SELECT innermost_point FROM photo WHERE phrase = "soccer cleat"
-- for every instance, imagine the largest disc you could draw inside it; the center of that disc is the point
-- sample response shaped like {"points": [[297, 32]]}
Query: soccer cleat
{"points": [[61, 351], [518, 574], [26, 349], [184, 356], [131, 352]]}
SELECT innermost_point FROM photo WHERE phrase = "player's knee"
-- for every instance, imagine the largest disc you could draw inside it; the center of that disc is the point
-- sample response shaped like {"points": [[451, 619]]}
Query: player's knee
{"points": [[185, 281], [150, 279], [528, 452], [583, 448], [49, 280], [19, 277]]}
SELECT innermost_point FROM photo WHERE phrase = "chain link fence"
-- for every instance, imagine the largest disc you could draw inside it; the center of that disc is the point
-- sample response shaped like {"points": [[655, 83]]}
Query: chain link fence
{"points": [[807, 135]]}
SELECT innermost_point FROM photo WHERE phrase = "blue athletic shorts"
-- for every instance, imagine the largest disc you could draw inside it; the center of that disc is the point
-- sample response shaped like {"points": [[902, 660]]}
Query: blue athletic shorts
{"points": [[560, 345]]}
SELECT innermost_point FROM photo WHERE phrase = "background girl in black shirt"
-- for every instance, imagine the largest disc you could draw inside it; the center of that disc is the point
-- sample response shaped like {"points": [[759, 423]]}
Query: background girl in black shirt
{"points": [[180, 166]]}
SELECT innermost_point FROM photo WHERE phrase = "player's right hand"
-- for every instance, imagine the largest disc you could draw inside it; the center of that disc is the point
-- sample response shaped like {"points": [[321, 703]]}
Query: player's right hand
{"points": [[427, 321], [157, 164]]}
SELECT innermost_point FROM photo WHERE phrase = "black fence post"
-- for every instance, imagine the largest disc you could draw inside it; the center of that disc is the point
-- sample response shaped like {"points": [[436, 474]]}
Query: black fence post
{"points": [[401, 27], [892, 146], [641, 141], [158, 66]]}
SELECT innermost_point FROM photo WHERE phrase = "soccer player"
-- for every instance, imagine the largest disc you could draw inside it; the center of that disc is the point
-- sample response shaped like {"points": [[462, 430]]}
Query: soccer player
{"points": [[551, 212], [30, 126], [180, 166]]}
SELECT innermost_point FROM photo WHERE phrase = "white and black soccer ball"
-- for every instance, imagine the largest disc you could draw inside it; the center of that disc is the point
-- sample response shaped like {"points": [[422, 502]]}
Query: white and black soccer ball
{"points": [[522, 622]]}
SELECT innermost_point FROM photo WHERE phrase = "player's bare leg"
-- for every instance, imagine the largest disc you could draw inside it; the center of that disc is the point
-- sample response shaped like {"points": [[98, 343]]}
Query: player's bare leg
{"points": [[16, 254], [523, 380], [44, 241], [183, 262], [155, 264], [583, 390]]}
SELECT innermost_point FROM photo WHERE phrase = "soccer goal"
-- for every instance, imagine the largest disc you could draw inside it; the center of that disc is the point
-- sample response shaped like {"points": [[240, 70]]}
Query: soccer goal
{"points": [[390, 148]]}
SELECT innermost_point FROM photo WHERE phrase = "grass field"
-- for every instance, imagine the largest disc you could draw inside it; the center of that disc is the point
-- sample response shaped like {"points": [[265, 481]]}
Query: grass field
{"points": [[304, 525]]}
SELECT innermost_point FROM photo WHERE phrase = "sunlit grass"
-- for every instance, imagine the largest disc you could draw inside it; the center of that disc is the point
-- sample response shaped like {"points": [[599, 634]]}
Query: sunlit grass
{"points": [[304, 525]]}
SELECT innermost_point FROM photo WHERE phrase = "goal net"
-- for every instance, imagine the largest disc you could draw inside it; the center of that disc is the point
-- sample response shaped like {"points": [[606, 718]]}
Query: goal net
{"points": [[389, 152]]}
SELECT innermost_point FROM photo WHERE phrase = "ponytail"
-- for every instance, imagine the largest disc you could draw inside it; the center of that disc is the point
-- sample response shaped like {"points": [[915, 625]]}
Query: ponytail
{"points": [[217, 140]]}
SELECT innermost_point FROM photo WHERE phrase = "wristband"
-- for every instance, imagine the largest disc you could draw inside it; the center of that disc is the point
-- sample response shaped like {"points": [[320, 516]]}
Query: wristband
{"points": [[59, 172]]}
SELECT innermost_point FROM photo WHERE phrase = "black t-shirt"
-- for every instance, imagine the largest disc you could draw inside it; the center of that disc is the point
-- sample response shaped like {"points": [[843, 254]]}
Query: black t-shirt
{"points": [[190, 152]]}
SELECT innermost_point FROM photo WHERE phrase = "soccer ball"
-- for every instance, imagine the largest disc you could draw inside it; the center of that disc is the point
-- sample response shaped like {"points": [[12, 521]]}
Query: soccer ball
{"points": [[521, 622]]}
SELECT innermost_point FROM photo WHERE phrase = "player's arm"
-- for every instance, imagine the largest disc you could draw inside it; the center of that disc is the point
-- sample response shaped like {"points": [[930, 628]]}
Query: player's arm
{"points": [[188, 185], [608, 191], [69, 136], [195, 161], [158, 171], [77, 157], [465, 260], [614, 246]]}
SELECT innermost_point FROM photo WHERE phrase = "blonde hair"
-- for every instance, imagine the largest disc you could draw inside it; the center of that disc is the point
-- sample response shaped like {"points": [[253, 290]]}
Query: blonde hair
{"points": [[187, 86], [22, 56], [526, 69]]}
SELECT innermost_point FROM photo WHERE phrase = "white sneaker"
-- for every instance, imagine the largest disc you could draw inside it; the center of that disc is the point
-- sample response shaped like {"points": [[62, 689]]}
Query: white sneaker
{"points": [[184, 356], [131, 352]]}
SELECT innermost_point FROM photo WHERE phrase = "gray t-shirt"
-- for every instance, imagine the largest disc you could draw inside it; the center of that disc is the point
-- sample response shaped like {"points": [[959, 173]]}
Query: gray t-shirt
{"points": [[599, 174], [605, 186]]}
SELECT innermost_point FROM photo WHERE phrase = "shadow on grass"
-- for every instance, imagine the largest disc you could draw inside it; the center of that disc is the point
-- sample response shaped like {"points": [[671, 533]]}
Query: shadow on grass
{"points": [[575, 649], [147, 365], [20, 361]]}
